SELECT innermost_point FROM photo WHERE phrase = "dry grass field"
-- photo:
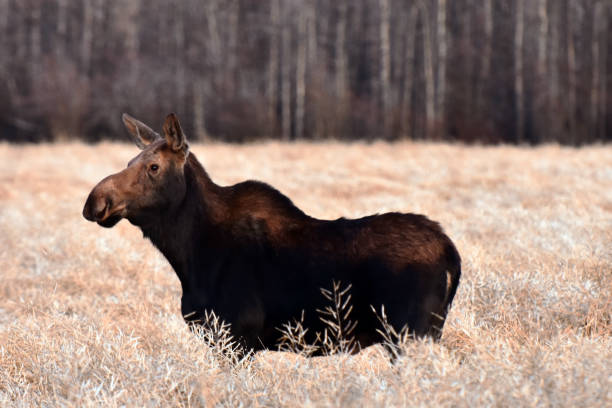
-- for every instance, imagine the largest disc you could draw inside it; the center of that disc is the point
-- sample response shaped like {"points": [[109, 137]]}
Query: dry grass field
{"points": [[91, 316]]}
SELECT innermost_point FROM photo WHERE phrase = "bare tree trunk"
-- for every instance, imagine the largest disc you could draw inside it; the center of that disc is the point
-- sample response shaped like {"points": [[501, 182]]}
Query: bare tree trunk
{"points": [[312, 31], [231, 50], [341, 58], [313, 52], [603, 98], [324, 29], [99, 41], [542, 97], [4, 21], [5, 77], [179, 45], [214, 42], [62, 23], [543, 17], [341, 73], [127, 20], [87, 35], [35, 46], [286, 81], [518, 71], [554, 69], [199, 97], [300, 76], [571, 69], [7, 39], [272, 82], [21, 35], [385, 63], [597, 77], [430, 113], [409, 71], [468, 57], [234, 14], [441, 74], [485, 65], [132, 43], [164, 27]]}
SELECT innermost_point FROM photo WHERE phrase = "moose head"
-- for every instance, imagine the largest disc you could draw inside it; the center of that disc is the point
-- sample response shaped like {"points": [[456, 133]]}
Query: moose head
{"points": [[153, 182]]}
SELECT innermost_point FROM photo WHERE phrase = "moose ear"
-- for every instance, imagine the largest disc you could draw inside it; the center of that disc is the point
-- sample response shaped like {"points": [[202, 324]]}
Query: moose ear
{"points": [[174, 134], [141, 133]]}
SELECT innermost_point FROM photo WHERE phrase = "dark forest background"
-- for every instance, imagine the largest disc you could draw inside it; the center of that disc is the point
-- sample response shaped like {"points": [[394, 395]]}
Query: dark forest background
{"points": [[522, 71]]}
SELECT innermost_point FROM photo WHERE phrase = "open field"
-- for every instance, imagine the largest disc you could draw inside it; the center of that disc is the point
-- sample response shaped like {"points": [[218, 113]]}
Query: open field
{"points": [[90, 316]]}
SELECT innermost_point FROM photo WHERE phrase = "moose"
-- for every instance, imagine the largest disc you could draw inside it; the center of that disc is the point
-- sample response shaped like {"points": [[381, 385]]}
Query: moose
{"points": [[248, 254]]}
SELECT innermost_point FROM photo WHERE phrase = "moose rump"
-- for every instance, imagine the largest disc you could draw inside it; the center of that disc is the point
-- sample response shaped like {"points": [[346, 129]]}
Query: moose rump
{"points": [[247, 253]]}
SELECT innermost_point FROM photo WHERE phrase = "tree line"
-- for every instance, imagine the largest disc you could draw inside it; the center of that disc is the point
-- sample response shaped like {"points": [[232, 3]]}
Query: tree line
{"points": [[521, 71]]}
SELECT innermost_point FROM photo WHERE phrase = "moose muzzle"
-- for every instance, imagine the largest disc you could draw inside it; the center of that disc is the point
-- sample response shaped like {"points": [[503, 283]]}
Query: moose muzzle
{"points": [[101, 205]]}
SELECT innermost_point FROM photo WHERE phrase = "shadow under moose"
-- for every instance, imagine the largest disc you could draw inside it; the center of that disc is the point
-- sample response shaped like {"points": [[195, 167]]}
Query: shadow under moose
{"points": [[248, 254]]}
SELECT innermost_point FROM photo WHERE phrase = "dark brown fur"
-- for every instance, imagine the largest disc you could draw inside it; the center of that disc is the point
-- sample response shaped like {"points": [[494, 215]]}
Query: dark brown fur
{"points": [[255, 259]]}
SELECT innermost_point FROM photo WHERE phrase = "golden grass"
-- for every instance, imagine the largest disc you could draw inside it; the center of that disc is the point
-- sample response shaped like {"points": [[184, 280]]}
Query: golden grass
{"points": [[90, 316]]}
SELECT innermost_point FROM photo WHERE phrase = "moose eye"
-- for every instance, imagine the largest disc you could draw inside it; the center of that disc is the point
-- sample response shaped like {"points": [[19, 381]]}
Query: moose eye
{"points": [[154, 167]]}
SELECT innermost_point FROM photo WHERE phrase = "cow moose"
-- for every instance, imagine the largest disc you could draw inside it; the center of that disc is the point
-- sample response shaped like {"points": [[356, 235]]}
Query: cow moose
{"points": [[248, 254]]}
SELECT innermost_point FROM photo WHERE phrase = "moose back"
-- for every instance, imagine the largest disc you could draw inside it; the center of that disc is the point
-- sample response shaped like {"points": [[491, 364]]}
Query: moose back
{"points": [[248, 254]]}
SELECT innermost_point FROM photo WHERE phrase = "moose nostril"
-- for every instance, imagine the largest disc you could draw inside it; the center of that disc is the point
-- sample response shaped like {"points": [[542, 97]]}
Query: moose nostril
{"points": [[101, 210], [95, 209], [100, 213]]}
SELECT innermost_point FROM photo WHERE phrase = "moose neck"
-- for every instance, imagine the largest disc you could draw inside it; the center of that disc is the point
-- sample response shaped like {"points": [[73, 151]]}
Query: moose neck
{"points": [[183, 232]]}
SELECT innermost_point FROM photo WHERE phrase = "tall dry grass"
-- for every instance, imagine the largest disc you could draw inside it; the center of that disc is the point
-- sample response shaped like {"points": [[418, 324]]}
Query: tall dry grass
{"points": [[90, 316]]}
